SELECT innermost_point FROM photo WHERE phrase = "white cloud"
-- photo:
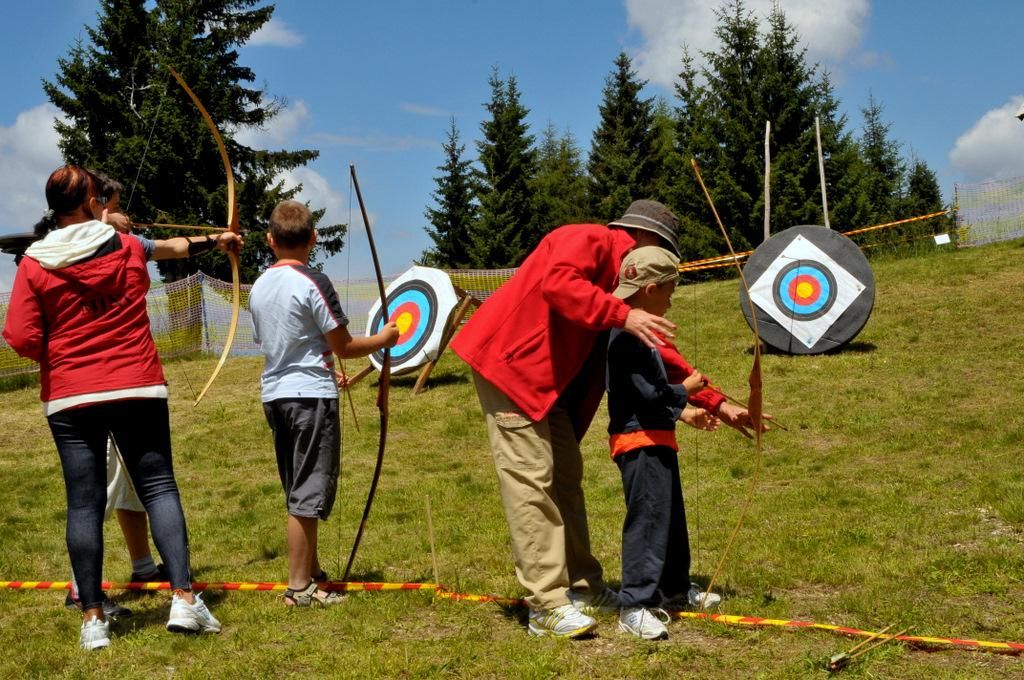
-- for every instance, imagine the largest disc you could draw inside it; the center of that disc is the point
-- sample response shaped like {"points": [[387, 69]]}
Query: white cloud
{"points": [[830, 29], [317, 191], [994, 146], [28, 154], [275, 33], [279, 130]]}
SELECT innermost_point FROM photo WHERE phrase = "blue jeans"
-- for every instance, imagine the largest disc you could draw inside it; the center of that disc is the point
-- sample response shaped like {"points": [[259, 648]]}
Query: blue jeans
{"points": [[141, 428]]}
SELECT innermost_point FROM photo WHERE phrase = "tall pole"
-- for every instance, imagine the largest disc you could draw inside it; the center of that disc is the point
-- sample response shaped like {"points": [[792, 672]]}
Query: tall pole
{"points": [[821, 171], [767, 182]]}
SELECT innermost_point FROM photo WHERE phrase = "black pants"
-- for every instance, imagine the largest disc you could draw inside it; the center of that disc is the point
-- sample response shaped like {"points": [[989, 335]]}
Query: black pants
{"points": [[141, 429], [655, 543]]}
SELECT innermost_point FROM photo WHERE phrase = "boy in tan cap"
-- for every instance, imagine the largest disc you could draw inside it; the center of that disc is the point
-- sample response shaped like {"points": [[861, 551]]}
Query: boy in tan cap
{"points": [[648, 390]]}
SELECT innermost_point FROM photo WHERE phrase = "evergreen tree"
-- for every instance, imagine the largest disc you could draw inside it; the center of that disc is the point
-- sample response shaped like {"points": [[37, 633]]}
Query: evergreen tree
{"points": [[560, 187], [698, 234], [456, 213], [128, 118], [922, 197], [507, 229], [622, 163], [849, 207], [790, 100], [883, 166], [735, 164]]}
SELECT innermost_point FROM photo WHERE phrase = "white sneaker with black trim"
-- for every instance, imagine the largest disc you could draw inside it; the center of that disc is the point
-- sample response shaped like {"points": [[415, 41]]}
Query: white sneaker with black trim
{"points": [[590, 603], [95, 634], [564, 621], [191, 618], [647, 624]]}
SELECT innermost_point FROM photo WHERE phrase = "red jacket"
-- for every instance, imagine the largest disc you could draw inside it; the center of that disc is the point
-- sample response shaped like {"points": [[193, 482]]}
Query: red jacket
{"points": [[86, 324], [538, 331]]}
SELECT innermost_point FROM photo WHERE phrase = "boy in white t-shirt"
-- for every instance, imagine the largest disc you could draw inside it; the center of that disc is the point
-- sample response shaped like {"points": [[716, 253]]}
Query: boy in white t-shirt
{"points": [[300, 326]]}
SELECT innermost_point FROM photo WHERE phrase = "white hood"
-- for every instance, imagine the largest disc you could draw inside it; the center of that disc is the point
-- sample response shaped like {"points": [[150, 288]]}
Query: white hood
{"points": [[70, 244]]}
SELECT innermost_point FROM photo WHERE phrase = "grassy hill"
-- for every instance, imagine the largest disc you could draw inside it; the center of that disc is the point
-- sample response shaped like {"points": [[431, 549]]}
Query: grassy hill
{"points": [[896, 497]]}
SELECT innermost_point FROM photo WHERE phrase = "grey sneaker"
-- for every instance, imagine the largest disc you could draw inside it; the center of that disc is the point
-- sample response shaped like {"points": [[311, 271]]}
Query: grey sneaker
{"points": [[191, 618], [647, 624], [564, 621], [95, 634], [590, 603]]}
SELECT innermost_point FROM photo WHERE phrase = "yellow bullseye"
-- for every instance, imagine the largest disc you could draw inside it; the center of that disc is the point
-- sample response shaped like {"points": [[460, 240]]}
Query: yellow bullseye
{"points": [[804, 290], [403, 322]]}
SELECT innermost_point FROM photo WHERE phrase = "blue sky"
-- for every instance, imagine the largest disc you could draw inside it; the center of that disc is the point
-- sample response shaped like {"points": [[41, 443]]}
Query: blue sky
{"points": [[375, 83]]}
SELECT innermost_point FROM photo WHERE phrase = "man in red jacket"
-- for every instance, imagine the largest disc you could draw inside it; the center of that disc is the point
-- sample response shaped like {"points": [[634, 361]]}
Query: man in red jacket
{"points": [[539, 371]]}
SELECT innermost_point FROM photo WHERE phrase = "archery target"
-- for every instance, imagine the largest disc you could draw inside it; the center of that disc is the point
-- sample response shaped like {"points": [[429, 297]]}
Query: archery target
{"points": [[812, 287], [419, 302]]}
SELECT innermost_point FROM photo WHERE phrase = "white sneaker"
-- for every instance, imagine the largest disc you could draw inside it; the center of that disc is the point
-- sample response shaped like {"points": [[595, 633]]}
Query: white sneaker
{"points": [[648, 624], [564, 621], [95, 634], [191, 618], [691, 600], [699, 599], [604, 602]]}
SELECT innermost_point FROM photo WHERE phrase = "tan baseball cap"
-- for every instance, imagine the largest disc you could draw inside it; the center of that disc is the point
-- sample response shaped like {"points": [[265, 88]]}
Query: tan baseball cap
{"points": [[649, 264]]}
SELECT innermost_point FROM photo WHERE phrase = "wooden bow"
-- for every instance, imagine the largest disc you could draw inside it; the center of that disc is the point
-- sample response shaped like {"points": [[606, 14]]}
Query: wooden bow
{"points": [[233, 226], [755, 400], [383, 384]]}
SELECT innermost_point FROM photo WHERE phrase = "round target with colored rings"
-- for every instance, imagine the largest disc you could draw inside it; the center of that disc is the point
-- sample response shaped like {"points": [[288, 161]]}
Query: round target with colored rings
{"points": [[419, 301], [805, 290], [812, 289]]}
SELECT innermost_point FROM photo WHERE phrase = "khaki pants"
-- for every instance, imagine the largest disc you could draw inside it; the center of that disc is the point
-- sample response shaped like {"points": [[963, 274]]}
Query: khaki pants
{"points": [[540, 475]]}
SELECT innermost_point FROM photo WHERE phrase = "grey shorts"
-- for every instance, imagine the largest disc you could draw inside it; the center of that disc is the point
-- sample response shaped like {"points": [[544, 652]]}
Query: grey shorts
{"points": [[307, 439]]}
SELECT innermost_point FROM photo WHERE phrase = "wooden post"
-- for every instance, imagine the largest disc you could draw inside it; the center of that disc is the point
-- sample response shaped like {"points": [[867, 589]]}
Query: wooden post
{"points": [[767, 182], [821, 171], [454, 320]]}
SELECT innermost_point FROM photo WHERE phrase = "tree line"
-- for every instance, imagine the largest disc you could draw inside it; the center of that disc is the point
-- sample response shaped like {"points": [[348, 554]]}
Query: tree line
{"points": [[490, 212], [124, 115]]}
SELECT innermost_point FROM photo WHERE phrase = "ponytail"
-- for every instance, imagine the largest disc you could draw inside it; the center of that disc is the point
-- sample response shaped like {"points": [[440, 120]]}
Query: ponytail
{"points": [[67, 189]]}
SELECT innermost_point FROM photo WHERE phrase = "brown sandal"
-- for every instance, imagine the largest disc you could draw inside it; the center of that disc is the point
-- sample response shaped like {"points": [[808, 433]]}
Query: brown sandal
{"points": [[312, 594]]}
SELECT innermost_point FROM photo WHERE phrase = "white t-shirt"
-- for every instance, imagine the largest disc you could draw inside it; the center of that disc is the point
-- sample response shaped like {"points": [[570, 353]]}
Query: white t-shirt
{"points": [[292, 308]]}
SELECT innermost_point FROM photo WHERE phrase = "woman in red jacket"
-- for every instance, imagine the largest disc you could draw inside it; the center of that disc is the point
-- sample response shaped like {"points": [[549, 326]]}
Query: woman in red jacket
{"points": [[78, 307]]}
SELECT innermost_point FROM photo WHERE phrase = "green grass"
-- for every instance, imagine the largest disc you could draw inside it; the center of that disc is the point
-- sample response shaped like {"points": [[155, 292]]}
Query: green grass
{"points": [[896, 497]]}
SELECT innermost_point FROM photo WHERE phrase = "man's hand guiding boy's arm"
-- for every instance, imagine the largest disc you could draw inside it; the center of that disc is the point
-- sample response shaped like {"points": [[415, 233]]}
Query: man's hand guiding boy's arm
{"points": [[647, 326]]}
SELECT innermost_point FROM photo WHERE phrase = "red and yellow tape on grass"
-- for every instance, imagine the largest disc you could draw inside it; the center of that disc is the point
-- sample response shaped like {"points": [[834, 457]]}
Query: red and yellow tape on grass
{"points": [[441, 592]]}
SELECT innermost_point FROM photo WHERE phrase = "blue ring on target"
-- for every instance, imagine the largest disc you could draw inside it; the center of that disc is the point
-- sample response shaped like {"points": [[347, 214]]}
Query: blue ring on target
{"points": [[423, 298], [826, 290]]}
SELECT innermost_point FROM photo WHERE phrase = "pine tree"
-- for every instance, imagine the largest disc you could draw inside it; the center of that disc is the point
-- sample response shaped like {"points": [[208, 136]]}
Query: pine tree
{"points": [[560, 187], [698, 235], [128, 118], [789, 101], [456, 213], [507, 229], [922, 196], [884, 167], [622, 163], [849, 207]]}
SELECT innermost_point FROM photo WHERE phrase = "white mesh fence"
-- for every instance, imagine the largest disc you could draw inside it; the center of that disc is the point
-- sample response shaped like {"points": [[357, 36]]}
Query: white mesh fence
{"points": [[991, 211], [193, 315]]}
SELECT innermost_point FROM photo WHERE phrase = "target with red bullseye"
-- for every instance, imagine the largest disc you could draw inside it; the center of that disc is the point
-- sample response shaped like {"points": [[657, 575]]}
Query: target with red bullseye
{"points": [[419, 301], [812, 287]]}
